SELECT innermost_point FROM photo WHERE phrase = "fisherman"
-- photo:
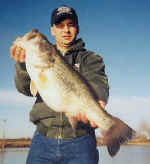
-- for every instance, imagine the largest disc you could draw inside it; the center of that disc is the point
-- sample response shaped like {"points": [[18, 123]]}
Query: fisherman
{"points": [[54, 140]]}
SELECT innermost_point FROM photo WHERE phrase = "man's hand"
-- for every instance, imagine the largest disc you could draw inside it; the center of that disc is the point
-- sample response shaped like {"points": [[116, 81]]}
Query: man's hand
{"points": [[83, 118], [102, 104], [17, 53]]}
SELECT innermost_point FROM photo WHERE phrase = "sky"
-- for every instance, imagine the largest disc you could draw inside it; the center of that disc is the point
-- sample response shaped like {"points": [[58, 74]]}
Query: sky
{"points": [[117, 30]]}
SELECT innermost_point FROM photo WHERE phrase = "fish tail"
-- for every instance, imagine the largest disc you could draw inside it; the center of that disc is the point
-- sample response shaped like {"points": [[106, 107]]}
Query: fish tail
{"points": [[118, 134]]}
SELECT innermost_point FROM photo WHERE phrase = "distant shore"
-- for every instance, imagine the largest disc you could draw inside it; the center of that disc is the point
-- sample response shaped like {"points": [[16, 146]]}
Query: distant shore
{"points": [[137, 141], [15, 143], [25, 142]]}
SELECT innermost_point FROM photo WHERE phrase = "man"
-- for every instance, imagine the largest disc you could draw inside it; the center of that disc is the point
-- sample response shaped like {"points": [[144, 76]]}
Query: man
{"points": [[54, 140]]}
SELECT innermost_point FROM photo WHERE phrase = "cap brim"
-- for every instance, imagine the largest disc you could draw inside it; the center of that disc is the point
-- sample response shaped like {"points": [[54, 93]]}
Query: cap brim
{"points": [[60, 18]]}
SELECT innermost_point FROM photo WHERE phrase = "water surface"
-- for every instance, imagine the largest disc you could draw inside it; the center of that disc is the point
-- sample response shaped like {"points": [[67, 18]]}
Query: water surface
{"points": [[126, 155]]}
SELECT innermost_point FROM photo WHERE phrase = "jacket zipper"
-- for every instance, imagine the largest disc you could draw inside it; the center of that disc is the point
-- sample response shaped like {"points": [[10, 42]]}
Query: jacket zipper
{"points": [[60, 128]]}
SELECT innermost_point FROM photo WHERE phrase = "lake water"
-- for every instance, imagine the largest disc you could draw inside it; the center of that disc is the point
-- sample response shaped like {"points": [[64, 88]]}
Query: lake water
{"points": [[126, 155]]}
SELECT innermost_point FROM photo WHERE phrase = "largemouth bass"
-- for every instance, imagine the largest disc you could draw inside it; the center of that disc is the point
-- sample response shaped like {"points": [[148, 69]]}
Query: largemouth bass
{"points": [[64, 90]]}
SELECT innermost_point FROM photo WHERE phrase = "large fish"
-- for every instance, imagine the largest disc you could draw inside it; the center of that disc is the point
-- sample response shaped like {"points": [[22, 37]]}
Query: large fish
{"points": [[64, 90]]}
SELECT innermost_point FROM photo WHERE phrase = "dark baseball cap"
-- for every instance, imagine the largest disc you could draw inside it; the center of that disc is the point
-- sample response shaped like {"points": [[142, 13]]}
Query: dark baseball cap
{"points": [[62, 13]]}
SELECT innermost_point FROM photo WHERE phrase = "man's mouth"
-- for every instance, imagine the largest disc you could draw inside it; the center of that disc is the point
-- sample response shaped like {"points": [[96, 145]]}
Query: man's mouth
{"points": [[67, 37]]}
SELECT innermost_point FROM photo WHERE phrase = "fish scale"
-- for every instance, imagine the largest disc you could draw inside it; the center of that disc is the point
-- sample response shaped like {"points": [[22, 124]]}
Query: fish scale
{"points": [[63, 89]]}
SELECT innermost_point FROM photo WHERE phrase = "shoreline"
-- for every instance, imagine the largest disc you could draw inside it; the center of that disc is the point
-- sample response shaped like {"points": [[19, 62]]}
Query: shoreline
{"points": [[25, 142]]}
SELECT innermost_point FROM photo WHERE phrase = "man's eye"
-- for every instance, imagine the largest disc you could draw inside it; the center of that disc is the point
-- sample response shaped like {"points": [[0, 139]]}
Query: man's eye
{"points": [[59, 25], [70, 24]]}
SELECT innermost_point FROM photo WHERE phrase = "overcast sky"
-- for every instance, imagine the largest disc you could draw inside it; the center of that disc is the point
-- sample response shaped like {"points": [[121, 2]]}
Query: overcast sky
{"points": [[117, 30]]}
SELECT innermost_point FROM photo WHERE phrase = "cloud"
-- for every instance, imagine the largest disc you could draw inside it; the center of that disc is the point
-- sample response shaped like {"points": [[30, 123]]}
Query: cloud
{"points": [[129, 104], [132, 102], [131, 109], [19, 132], [20, 105], [124, 107], [12, 97]]}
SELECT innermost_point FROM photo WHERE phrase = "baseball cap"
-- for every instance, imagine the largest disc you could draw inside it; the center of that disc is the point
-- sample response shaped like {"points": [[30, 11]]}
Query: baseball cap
{"points": [[63, 12]]}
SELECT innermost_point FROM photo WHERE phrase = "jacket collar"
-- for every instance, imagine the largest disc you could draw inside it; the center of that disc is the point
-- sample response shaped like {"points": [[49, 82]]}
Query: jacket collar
{"points": [[77, 46]]}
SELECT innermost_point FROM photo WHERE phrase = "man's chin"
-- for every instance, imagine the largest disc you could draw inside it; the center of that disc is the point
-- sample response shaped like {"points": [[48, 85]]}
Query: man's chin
{"points": [[67, 44]]}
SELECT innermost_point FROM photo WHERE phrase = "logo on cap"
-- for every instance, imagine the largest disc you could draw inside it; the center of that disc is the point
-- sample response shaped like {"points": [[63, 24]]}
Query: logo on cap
{"points": [[63, 10]]}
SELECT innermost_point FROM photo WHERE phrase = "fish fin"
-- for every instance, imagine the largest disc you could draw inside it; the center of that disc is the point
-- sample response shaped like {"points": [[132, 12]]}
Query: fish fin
{"points": [[33, 89], [118, 134], [113, 148], [43, 80]]}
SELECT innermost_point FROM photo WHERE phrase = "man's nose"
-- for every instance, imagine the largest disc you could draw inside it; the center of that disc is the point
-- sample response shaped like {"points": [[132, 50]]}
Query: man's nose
{"points": [[66, 28]]}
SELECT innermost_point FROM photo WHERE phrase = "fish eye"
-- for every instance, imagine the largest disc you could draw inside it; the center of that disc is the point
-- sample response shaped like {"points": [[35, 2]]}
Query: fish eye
{"points": [[31, 36]]}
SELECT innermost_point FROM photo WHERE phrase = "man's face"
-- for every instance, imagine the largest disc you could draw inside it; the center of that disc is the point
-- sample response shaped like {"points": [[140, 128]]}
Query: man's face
{"points": [[65, 33]]}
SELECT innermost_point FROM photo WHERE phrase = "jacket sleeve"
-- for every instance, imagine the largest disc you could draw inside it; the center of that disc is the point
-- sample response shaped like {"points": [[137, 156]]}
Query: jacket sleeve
{"points": [[22, 79], [93, 69]]}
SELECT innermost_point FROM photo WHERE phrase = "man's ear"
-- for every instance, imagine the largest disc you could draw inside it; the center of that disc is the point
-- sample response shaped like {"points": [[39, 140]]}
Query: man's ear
{"points": [[52, 31], [77, 30]]}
